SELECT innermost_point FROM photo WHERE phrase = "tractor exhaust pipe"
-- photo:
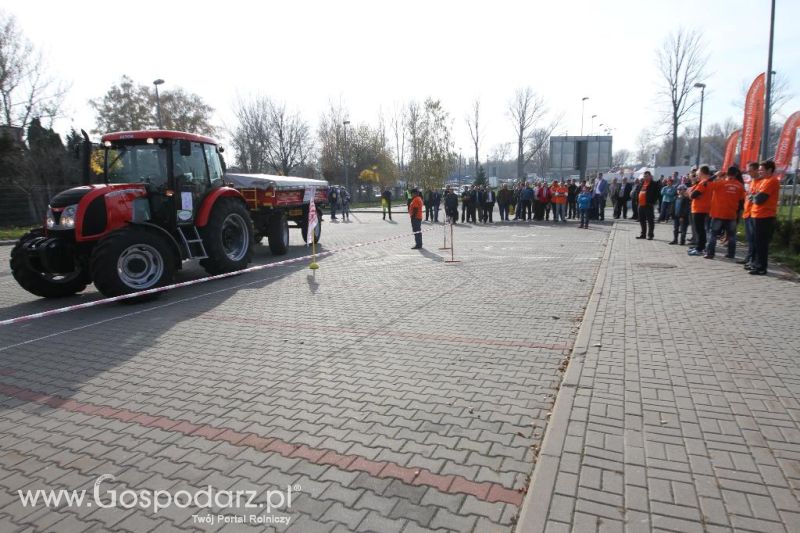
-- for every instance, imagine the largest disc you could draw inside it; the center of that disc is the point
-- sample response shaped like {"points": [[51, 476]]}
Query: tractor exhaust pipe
{"points": [[86, 155]]}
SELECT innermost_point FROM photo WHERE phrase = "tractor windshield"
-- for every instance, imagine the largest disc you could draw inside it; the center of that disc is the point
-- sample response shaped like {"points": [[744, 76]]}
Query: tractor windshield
{"points": [[136, 163]]}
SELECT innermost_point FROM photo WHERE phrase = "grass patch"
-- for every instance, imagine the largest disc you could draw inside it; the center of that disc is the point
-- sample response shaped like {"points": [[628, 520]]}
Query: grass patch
{"points": [[13, 233]]}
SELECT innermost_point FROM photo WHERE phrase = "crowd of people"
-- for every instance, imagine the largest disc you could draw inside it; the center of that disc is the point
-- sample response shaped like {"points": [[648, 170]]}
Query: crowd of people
{"points": [[711, 204]]}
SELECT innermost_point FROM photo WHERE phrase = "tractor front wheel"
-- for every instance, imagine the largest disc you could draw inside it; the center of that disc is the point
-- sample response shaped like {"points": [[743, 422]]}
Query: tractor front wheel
{"points": [[41, 283], [228, 237], [278, 234], [132, 260]]}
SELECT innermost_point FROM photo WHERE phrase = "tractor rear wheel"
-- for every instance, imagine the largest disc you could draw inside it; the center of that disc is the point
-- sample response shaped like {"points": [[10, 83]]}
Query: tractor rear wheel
{"points": [[41, 283], [278, 234], [131, 260], [317, 229], [228, 237]]}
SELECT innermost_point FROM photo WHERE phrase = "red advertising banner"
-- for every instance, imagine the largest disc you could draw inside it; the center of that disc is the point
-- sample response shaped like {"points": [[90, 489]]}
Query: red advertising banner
{"points": [[783, 154], [753, 121], [730, 150]]}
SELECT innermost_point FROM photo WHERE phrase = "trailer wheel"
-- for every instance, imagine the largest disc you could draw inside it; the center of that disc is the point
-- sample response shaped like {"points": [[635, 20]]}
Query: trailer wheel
{"points": [[278, 234], [41, 283], [227, 237], [131, 260], [317, 229]]}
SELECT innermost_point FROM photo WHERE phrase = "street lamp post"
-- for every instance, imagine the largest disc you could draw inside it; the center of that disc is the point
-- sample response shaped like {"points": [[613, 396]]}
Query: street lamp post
{"points": [[768, 97], [583, 107], [158, 82], [592, 130], [346, 158], [702, 87]]}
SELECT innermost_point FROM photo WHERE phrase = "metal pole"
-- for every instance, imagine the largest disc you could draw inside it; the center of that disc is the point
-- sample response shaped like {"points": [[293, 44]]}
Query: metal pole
{"points": [[346, 157], [583, 107], [158, 103], [700, 129], [765, 134]]}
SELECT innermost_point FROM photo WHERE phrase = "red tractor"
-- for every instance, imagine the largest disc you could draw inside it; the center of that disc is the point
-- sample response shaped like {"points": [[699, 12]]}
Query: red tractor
{"points": [[162, 201]]}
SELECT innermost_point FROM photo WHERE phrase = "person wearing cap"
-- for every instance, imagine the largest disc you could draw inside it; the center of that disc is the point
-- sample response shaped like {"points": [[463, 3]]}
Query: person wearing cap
{"points": [[727, 191], [647, 199], [681, 214], [415, 207]]}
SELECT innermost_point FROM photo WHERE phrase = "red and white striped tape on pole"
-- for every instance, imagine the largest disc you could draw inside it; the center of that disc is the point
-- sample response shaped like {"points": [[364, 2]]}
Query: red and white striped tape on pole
{"points": [[165, 288]]}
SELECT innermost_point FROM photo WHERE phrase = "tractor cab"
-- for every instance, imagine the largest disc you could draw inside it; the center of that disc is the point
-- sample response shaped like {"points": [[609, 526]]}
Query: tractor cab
{"points": [[177, 170]]}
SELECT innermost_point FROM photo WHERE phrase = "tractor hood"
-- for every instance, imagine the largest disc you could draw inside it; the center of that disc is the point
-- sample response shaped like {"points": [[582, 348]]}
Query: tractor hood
{"points": [[73, 196]]}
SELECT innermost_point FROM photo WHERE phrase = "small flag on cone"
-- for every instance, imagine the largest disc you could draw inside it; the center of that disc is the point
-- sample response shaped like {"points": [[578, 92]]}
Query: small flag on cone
{"points": [[312, 226]]}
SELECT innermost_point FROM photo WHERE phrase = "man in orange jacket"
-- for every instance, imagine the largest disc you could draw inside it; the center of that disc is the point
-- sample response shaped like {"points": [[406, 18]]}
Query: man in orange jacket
{"points": [[728, 192], [701, 206], [415, 212], [764, 195], [749, 228]]}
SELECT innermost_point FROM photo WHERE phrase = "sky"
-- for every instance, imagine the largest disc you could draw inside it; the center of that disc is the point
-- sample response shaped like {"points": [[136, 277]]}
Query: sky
{"points": [[374, 56]]}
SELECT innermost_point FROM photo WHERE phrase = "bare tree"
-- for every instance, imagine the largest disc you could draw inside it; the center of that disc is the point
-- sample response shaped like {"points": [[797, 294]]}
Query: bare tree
{"points": [[398, 126], [268, 137], [621, 158], [644, 147], [527, 110], [681, 61], [473, 120], [26, 91]]}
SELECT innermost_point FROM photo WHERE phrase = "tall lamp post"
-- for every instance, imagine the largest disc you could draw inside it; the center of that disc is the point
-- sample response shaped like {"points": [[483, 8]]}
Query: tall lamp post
{"points": [[346, 157], [583, 107], [702, 87], [592, 130], [768, 98], [158, 82]]}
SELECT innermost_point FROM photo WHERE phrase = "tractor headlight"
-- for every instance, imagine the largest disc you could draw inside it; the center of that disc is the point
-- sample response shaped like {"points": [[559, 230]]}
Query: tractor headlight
{"points": [[50, 221], [68, 217]]}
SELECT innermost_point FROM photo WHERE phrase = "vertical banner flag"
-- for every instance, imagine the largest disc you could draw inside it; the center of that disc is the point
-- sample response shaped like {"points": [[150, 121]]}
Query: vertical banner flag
{"points": [[784, 152], [753, 121], [312, 216], [730, 150]]}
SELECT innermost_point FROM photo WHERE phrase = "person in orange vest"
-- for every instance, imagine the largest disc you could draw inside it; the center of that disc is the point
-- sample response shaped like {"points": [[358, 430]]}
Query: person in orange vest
{"points": [[701, 206], [727, 191], [558, 195], [764, 195], [415, 212], [749, 228]]}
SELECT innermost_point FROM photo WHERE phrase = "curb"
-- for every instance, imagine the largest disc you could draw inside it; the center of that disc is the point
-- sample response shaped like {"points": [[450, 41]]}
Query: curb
{"points": [[7, 243], [536, 505]]}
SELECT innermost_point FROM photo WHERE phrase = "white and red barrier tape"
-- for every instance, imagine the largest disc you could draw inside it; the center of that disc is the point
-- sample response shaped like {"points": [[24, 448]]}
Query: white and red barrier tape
{"points": [[165, 288]]}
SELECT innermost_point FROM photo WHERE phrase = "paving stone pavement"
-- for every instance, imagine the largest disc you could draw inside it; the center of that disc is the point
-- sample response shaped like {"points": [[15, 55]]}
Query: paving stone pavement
{"points": [[680, 407], [390, 391]]}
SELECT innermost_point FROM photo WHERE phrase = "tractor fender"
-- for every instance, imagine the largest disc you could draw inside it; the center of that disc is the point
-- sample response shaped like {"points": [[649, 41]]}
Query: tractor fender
{"points": [[208, 203], [180, 253]]}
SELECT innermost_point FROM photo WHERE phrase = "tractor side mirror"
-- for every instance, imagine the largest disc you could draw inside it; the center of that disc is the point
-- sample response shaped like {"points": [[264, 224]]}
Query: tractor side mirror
{"points": [[185, 148]]}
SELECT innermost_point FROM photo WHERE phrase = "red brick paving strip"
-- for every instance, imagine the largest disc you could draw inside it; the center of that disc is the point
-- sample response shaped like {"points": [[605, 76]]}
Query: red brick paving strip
{"points": [[490, 492]]}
